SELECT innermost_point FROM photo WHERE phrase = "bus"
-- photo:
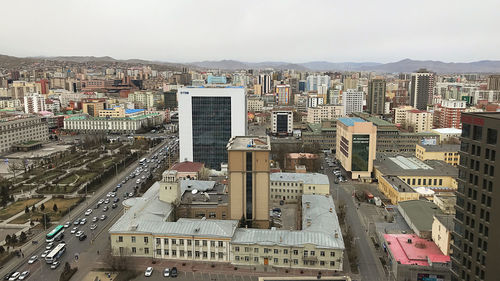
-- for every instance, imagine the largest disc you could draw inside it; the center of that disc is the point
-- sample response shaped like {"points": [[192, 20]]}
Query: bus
{"points": [[56, 234], [56, 253], [142, 161]]}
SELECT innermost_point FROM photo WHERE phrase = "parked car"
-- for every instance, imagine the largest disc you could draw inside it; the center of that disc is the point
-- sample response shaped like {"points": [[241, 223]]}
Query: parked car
{"points": [[114, 206], [8, 275], [88, 212], [106, 201], [103, 217], [79, 233], [83, 221], [14, 275], [94, 219], [105, 209], [116, 200], [166, 272], [174, 272], [83, 237], [77, 222], [148, 271], [94, 226], [74, 230]]}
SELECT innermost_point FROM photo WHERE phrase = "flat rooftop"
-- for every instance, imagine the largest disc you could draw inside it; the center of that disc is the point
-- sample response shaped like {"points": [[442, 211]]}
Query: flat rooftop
{"points": [[420, 213], [441, 148], [249, 143], [398, 184], [306, 178], [349, 121], [495, 115], [410, 166], [448, 131], [412, 250]]}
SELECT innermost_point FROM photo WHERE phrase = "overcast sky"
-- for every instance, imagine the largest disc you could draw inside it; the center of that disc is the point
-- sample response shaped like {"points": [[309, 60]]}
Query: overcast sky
{"points": [[288, 30]]}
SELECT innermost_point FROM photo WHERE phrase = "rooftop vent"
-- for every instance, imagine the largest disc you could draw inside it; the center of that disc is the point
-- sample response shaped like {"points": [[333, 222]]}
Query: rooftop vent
{"points": [[409, 240], [331, 210], [197, 229], [308, 205]]}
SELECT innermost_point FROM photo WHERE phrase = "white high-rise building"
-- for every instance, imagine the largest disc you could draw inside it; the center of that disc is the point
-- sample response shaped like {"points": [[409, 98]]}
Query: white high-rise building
{"points": [[34, 103], [315, 81], [352, 101], [208, 118]]}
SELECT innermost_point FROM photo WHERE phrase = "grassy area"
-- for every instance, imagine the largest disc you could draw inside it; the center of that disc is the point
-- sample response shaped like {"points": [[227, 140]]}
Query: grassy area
{"points": [[47, 176], [102, 163], [17, 207], [71, 178], [85, 176], [54, 189], [62, 206]]}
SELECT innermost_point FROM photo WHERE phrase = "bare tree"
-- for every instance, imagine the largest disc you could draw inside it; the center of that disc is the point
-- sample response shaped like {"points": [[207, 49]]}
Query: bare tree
{"points": [[14, 167]]}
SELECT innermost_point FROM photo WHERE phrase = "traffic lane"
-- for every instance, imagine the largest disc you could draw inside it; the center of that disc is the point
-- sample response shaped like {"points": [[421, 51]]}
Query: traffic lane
{"points": [[195, 276], [73, 244]]}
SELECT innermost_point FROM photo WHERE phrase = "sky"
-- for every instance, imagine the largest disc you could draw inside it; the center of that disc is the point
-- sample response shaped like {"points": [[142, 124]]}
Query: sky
{"points": [[255, 30]]}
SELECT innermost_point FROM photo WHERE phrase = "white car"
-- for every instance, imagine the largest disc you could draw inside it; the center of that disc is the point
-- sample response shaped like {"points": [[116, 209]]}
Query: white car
{"points": [[33, 259], [94, 219], [100, 201], [45, 253], [106, 201], [55, 264], [16, 275], [88, 212], [94, 226], [147, 273], [83, 221], [79, 233], [166, 272], [67, 224], [74, 230], [49, 246], [24, 275]]}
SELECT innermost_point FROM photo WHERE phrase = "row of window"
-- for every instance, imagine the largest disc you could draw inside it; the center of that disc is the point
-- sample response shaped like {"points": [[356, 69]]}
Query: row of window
{"points": [[286, 261], [286, 183], [477, 133], [285, 251], [424, 181], [189, 242]]}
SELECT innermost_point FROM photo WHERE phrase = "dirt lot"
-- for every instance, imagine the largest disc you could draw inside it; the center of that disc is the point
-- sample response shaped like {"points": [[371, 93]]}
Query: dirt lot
{"points": [[17, 207], [62, 205]]}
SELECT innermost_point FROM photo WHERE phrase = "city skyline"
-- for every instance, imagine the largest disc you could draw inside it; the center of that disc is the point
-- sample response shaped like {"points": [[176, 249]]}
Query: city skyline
{"points": [[176, 31]]}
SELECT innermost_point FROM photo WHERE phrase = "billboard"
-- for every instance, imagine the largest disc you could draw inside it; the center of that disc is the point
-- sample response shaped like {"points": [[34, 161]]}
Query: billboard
{"points": [[360, 152]]}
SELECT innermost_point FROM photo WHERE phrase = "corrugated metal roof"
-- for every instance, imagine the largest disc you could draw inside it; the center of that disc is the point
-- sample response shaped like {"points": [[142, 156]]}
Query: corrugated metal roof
{"points": [[349, 121], [306, 178]]}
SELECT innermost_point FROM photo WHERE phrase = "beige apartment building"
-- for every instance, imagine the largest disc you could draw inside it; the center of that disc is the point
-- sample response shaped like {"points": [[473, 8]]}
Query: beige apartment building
{"points": [[442, 226], [324, 112], [418, 121], [400, 114], [255, 104], [20, 129], [444, 152], [356, 146], [290, 187], [248, 170]]}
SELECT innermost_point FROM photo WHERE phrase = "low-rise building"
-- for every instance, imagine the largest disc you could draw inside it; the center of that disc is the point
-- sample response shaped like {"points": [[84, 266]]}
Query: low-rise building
{"points": [[255, 104], [19, 129], [111, 125], [414, 258], [446, 202], [396, 189], [444, 152], [188, 169], [323, 133], [418, 121], [419, 215], [442, 226], [319, 245], [448, 134], [289, 187]]}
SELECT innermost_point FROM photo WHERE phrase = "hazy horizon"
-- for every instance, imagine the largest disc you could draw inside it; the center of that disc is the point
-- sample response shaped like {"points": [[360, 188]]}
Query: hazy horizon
{"points": [[290, 31]]}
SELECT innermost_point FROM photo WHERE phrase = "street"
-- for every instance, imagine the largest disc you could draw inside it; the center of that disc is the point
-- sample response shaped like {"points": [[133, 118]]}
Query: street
{"points": [[84, 253], [369, 265]]}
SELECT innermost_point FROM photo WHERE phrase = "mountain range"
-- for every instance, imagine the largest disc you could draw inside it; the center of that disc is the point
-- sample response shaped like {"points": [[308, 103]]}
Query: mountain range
{"points": [[406, 65]]}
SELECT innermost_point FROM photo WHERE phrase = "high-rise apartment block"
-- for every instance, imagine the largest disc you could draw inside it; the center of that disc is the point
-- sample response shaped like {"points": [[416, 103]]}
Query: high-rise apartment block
{"points": [[352, 101], [476, 249], [283, 95], [448, 115], [494, 82], [376, 96], [208, 118], [34, 103], [248, 169], [421, 89], [313, 81], [264, 80], [418, 121]]}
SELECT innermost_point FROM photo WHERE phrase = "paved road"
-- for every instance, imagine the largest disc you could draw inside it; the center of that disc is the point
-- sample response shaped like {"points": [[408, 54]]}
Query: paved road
{"points": [[369, 265], [98, 239], [198, 276]]}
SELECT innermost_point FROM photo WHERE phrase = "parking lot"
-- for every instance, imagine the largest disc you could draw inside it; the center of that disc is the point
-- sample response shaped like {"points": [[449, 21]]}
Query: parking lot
{"points": [[190, 276]]}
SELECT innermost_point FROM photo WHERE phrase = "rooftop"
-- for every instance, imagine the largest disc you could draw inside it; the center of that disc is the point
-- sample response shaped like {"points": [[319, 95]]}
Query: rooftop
{"points": [[349, 121], [411, 250], [441, 148], [446, 220], [495, 115], [398, 184], [187, 166], [215, 195], [306, 178], [411, 166], [420, 213], [131, 111], [249, 143], [448, 131]]}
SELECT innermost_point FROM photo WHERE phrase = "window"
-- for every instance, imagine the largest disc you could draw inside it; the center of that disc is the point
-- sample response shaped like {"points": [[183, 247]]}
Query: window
{"points": [[491, 136], [295, 252], [197, 254], [190, 253], [181, 241], [174, 253], [266, 250], [332, 263], [313, 253], [212, 255], [146, 240], [189, 242], [275, 260], [197, 242], [205, 243], [146, 250], [237, 258], [256, 259], [332, 254], [285, 261], [236, 249], [322, 253], [477, 133], [285, 252], [166, 252], [221, 244], [120, 238], [212, 244], [276, 251], [247, 249], [133, 239], [134, 250], [221, 255], [174, 241]]}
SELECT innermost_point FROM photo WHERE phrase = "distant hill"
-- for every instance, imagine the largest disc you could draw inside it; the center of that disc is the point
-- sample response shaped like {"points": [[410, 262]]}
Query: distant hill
{"points": [[406, 65]]}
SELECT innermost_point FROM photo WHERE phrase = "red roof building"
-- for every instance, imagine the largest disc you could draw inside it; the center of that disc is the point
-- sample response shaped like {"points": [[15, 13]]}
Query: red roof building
{"points": [[188, 170]]}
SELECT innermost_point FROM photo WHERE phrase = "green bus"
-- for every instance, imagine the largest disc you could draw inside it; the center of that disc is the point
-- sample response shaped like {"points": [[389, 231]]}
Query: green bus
{"points": [[56, 234]]}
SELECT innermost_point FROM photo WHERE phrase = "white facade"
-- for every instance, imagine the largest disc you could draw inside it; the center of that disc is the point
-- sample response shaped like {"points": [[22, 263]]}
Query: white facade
{"points": [[314, 101], [352, 101], [12, 103], [34, 103], [118, 125], [255, 104], [315, 81], [184, 98]]}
